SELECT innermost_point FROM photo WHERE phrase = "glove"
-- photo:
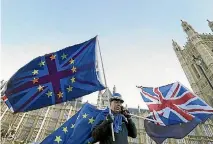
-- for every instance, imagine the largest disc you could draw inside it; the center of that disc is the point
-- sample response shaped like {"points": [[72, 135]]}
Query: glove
{"points": [[125, 112], [110, 118]]}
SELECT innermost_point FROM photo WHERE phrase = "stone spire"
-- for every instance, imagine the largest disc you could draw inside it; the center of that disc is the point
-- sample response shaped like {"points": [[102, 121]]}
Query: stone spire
{"points": [[114, 89], [188, 28], [210, 23], [175, 45]]}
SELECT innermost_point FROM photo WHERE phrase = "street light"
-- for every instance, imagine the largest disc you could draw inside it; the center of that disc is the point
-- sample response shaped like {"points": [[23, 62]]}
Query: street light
{"points": [[199, 63]]}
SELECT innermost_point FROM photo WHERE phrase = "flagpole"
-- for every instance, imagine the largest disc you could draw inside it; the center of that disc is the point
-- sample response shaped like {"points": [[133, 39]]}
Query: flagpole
{"points": [[113, 136], [144, 118]]}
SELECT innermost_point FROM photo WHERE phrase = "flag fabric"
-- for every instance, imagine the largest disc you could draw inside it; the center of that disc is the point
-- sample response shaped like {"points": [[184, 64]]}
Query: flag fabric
{"points": [[160, 133], [55, 78], [77, 130], [173, 105]]}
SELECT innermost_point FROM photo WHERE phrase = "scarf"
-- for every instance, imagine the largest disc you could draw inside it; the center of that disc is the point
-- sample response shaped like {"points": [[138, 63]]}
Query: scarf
{"points": [[117, 123]]}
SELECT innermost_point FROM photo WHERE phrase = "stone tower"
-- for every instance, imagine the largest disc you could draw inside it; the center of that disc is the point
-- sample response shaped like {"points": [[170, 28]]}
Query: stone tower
{"points": [[103, 99], [198, 47]]}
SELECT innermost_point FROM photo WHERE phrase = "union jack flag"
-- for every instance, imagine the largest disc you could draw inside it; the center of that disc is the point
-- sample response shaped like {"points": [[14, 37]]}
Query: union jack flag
{"points": [[174, 104], [54, 78]]}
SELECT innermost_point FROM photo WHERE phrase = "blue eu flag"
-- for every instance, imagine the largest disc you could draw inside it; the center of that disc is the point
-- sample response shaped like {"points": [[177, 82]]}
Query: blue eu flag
{"points": [[54, 78], [77, 130]]}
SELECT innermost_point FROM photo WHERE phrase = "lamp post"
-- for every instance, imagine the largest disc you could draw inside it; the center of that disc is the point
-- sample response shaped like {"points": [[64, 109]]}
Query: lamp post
{"points": [[199, 63]]}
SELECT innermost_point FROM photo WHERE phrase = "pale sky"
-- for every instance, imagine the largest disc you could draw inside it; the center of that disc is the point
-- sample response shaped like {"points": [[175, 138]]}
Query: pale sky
{"points": [[135, 37]]}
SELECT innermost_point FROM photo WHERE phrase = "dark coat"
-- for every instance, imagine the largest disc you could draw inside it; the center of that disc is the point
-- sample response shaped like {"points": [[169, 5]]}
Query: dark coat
{"points": [[102, 133]]}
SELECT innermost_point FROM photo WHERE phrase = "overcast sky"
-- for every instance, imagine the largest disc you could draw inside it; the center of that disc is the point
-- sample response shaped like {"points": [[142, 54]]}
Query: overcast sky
{"points": [[135, 37]]}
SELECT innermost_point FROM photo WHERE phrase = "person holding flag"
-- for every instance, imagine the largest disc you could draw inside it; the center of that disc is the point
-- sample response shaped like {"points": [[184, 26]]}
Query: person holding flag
{"points": [[123, 125]]}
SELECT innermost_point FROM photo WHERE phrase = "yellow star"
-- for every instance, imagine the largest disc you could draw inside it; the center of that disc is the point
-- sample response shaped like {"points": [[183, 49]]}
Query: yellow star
{"points": [[40, 88], [35, 72], [52, 57], [72, 79], [49, 93], [64, 56], [91, 120], [72, 61], [65, 129], [35, 80], [42, 63], [60, 94], [78, 117], [58, 139], [74, 69], [84, 115], [73, 125], [69, 89]]}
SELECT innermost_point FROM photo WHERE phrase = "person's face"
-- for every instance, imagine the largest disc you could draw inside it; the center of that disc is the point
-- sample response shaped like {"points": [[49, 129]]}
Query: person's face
{"points": [[116, 106]]}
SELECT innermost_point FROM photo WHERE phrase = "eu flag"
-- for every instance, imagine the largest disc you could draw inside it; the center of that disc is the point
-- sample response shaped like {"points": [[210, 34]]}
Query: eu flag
{"points": [[54, 78], [77, 130]]}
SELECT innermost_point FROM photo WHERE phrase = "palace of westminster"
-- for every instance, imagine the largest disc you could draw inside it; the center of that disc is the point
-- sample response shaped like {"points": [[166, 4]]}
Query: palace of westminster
{"points": [[196, 59]]}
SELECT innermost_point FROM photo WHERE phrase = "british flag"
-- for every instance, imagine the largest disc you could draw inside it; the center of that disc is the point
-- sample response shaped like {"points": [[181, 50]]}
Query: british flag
{"points": [[174, 104]]}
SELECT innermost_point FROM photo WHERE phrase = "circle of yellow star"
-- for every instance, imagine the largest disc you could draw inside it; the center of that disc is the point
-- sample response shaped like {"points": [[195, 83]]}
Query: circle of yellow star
{"points": [[58, 139], [69, 89], [72, 61], [64, 56], [74, 69], [91, 120], [40, 88], [35, 80], [60, 94], [73, 125], [65, 129], [73, 79], [52, 57], [84, 115], [35, 72], [49, 93]]}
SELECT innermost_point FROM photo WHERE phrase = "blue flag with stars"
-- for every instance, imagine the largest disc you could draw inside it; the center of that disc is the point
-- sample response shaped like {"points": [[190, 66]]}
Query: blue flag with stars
{"points": [[77, 130], [54, 78]]}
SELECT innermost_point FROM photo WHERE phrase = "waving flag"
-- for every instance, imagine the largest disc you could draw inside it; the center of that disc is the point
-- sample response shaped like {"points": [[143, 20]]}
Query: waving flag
{"points": [[54, 78], [174, 105], [77, 130]]}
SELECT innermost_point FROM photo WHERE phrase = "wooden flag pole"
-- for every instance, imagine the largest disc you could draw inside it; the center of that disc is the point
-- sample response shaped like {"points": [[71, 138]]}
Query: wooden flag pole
{"points": [[144, 118], [113, 136]]}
